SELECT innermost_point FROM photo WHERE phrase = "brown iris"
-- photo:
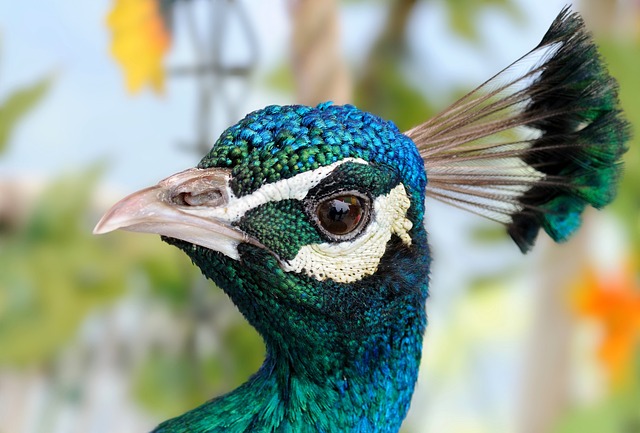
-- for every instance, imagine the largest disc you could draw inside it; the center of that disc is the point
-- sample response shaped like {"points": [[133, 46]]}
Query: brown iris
{"points": [[340, 215]]}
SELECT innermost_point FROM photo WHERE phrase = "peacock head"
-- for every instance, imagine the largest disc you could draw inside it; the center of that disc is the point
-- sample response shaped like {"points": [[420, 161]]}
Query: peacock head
{"points": [[311, 219]]}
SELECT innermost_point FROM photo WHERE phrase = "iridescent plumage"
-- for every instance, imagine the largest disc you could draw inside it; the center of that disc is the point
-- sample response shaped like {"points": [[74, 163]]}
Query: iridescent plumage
{"points": [[340, 301]]}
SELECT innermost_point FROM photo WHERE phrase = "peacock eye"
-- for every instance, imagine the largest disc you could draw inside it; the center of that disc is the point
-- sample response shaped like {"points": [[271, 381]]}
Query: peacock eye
{"points": [[342, 215]]}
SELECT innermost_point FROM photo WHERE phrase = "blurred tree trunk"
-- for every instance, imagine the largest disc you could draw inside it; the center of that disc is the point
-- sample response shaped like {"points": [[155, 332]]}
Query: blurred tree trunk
{"points": [[600, 15], [319, 70], [612, 18], [546, 387]]}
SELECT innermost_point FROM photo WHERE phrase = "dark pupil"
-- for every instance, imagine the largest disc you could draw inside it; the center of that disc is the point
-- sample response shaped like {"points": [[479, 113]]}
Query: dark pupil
{"points": [[340, 215]]}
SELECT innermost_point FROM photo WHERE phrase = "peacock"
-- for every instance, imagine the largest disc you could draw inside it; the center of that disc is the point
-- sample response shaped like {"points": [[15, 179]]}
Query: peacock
{"points": [[311, 220]]}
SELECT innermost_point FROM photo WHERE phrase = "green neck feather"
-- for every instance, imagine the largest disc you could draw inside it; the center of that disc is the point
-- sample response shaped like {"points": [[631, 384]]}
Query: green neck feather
{"points": [[351, 370]]}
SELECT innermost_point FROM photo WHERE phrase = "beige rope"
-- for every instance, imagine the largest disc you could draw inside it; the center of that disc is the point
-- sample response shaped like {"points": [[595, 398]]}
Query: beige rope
{"points": [[320, 72]]}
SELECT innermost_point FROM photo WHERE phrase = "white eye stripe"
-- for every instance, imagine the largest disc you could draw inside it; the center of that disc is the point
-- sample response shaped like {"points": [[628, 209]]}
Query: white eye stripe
{"points": [[352, 260], [296, 187]]}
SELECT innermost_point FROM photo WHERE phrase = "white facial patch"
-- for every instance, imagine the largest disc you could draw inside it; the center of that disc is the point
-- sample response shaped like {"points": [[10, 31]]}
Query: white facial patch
{"points": [[350, 261], [296, 188]]}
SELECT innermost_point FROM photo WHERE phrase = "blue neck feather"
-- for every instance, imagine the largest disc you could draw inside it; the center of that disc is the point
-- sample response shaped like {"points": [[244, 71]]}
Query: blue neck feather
{"points": [[346, 374]]}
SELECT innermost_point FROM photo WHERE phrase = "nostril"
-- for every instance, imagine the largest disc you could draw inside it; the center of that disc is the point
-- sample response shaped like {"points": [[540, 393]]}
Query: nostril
{"points": [[212, 198], [196, 188]]}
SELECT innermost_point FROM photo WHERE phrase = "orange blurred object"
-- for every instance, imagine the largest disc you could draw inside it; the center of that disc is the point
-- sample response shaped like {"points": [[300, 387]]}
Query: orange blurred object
{"points": [[140, 42], [614, 302]]}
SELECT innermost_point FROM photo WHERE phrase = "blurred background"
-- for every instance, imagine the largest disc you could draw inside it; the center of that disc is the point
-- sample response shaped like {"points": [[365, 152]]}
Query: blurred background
{"points": [[117, 333]]}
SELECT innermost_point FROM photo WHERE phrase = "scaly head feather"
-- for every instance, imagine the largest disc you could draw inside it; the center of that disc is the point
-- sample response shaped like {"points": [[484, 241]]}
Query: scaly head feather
{"points": [[310, 219]]}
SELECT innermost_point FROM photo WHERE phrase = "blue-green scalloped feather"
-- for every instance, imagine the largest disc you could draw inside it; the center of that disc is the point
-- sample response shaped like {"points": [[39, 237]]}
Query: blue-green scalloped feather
{"points": [[585, 170], [543, 180]]}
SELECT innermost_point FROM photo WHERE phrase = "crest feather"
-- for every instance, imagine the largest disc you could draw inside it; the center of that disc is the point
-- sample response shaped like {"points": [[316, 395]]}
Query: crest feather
{"points": [[532, 149]]}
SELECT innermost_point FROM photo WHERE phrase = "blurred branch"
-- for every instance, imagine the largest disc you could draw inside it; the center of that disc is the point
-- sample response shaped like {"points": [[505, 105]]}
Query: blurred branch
{"points": [[383, 88], [210, 69], [390, 45]]}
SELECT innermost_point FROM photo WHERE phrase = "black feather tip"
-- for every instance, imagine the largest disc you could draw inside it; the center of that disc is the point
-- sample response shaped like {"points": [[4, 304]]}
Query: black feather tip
{"points": [[580, 144]]}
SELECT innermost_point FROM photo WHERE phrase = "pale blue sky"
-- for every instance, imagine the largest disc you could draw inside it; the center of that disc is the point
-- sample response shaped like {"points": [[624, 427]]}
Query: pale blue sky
{"points": [[88, 116]]}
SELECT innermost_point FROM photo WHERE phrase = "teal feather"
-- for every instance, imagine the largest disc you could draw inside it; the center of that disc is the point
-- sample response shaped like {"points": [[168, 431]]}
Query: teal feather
{"points": [[562, 217], [343, 351], [586, 99], [576, 138]]}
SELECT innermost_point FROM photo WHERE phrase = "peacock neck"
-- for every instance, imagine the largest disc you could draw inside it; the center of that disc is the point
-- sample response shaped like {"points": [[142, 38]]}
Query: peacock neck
{"points": [[370, 394], [363, 397], [348, 366]]}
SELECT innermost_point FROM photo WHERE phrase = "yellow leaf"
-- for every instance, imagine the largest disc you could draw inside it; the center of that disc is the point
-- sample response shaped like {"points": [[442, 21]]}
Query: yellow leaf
{"points": [[140, 41]]}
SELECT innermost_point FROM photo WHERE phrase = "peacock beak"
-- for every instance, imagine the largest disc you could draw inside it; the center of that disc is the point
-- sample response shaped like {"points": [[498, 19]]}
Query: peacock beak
{"points": [[190, 206]]}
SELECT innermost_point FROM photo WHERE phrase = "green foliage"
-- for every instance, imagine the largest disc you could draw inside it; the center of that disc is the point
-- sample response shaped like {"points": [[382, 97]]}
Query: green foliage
{"points": [[463, 14], [50, 274], [386, 92], [171, 383], [174, 384], [53, 271], [170, 275], [594, 420], [245, 347], [623, 59], [620, 413], [17, 105], [384, 88], [280, 78]]}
